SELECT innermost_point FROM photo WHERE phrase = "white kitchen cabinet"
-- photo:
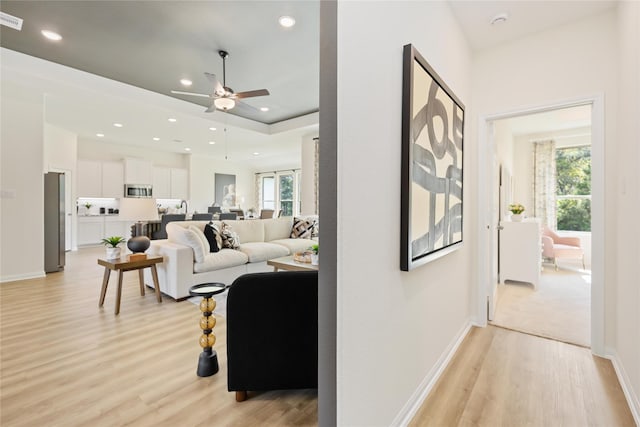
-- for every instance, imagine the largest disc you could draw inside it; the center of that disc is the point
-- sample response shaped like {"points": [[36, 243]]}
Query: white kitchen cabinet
{"points": [[161, 182], [520, 251], [90, 230], [112, 179], [179, 184], [114, 226], [138, 171], [170, 183], [89, 178]]}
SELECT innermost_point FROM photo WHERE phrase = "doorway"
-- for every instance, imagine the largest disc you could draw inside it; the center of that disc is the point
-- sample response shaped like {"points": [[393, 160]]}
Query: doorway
{"points": [[544, 166], [491, 210]]}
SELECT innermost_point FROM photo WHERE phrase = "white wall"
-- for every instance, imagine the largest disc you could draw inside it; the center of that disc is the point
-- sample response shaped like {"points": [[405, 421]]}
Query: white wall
{"points": [[627, 180], [22, 184], [571, 62], [202, 182], [393, 326], [91, 149]]}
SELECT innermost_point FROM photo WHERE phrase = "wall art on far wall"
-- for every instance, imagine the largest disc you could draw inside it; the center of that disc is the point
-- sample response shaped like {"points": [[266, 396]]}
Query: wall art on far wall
{"points": [[432, 141], [225, 187]]}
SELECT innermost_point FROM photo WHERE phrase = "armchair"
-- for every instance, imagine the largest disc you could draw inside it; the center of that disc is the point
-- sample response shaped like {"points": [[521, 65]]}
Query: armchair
{"points": [[272, 332], [554, 247]]}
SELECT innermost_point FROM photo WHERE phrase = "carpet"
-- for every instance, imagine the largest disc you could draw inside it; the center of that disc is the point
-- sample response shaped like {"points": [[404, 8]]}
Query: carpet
{"points": [[221, 303], [559, 309]]}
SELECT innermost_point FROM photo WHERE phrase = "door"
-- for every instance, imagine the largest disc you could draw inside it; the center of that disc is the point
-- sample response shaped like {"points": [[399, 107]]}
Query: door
{"points": [[492, 220]]}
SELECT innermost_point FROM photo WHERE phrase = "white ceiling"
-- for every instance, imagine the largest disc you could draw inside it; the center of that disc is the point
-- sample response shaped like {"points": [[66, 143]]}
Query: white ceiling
{"points": [[525, 18], [551, 121]]}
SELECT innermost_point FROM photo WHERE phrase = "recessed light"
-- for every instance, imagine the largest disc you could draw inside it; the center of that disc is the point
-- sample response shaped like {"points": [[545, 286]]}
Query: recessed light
{"points": [[187, 149], [212, 142], [212, 128], [51, 35], [155, 138], [100, 135], [265, 109], [186, 82], [256, 154], [118, 125], [499, 19], [172, 120], [287, 21]]}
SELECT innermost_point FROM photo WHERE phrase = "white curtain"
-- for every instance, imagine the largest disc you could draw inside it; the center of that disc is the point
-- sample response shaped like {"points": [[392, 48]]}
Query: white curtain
{"points": [[544, 182]]}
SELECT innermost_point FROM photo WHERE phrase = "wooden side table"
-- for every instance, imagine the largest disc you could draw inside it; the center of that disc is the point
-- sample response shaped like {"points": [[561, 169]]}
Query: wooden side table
{"points": [[124, 264]]}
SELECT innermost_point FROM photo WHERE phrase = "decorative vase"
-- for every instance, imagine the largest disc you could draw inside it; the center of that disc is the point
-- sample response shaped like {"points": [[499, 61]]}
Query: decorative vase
{"points": [[315, 259], [516, 217], [113, 253]]}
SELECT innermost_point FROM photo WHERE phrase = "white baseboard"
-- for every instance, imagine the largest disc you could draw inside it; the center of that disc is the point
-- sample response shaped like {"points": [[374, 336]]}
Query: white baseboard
{"points": [[16, 277], [625, 383], [418, 397]]}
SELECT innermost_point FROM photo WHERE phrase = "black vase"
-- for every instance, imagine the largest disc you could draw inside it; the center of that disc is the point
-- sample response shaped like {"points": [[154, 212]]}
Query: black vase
{"points": [[138, 244]]}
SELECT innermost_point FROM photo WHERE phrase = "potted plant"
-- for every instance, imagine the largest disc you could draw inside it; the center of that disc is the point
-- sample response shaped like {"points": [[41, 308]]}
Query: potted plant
{"points": [[516, 210], [88, 206], [315, 256], [113, 250]]}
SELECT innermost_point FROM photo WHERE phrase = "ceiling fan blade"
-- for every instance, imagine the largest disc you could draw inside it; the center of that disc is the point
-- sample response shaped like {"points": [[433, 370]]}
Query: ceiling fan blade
{"points": [[217, 87], [252, 93], [178, 92]]}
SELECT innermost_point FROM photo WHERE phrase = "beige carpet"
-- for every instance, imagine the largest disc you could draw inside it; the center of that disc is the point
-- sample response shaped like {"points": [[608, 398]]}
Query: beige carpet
{"points": [[559, 309]]}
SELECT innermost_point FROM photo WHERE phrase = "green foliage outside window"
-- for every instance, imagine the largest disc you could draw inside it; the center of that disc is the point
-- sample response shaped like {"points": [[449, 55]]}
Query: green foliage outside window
{"points": [[286, 195], [573, 169]]}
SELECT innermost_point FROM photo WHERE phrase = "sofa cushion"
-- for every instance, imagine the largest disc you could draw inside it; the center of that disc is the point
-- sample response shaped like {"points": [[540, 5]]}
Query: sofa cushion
{"points": [[302, 228], [248, 230], [295, 245], [262, 251], [184, 236], [277, 228], [219, 260]]}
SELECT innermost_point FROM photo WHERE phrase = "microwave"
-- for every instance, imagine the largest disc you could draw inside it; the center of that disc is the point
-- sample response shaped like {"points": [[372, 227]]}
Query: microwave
{"points": [[139, 191]]}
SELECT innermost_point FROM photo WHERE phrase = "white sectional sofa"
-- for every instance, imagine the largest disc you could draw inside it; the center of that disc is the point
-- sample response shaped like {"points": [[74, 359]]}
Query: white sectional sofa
{"points": [[188, 260]]}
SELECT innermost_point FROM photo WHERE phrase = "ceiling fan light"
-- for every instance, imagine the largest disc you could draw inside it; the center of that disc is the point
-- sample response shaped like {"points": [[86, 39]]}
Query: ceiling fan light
{"points": [[224, 103]]}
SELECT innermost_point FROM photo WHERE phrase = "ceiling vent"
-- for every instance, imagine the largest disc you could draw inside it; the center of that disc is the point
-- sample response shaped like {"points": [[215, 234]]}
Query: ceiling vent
{"points": [[10, 21]]}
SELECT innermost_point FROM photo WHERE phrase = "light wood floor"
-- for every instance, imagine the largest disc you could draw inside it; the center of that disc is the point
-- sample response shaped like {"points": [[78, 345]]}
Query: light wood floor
{"points": [[65, 362], [500, 377]]}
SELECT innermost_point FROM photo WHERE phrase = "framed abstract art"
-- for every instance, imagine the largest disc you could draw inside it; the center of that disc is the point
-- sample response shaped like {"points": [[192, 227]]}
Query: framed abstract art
{"points": [[432, 160]]}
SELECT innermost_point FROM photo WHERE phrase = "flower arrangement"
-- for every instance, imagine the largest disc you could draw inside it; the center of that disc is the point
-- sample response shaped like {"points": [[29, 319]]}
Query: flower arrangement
{"points": [[315, 249], [516, 208]]}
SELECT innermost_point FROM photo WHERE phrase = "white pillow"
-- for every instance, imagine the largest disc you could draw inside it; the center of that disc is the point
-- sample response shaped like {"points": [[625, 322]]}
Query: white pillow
{"points": [[186, 237], [202, 237]]}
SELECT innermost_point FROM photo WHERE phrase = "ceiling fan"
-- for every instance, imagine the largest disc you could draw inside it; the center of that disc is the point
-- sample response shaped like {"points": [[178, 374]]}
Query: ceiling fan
{"points": [[224, 98]]}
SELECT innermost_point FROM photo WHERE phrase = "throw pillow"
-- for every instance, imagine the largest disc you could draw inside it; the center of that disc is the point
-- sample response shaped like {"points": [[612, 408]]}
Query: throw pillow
{"points": [[302, 228], [212, 235], [205, 242], [230, 238]]}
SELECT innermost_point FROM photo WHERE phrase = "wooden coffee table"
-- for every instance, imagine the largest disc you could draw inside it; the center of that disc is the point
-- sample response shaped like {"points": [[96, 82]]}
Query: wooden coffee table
{"points": [[289, 264], [123, 264]]}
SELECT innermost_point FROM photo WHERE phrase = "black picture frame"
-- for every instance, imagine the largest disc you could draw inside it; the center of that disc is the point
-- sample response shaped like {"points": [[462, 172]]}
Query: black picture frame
{"points": [[432, 164]]}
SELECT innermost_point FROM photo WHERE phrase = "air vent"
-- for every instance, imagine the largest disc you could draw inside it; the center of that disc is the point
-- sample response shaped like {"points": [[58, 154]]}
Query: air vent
{"points": [[10, 21]]}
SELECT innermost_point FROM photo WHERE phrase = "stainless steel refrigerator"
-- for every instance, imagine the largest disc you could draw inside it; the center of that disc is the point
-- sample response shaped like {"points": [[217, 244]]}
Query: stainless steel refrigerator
{"points": [[54, 218]]}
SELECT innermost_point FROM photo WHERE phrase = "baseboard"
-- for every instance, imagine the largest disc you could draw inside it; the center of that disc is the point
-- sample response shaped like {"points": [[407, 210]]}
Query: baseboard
{"points": [[16, 277], [418, 397], [625, 383]]}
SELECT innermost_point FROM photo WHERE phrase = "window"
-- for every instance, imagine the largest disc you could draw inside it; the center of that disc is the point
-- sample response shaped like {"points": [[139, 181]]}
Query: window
{"points": [[573, 190], [285, 190], [280, 191], [268, 193]]}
